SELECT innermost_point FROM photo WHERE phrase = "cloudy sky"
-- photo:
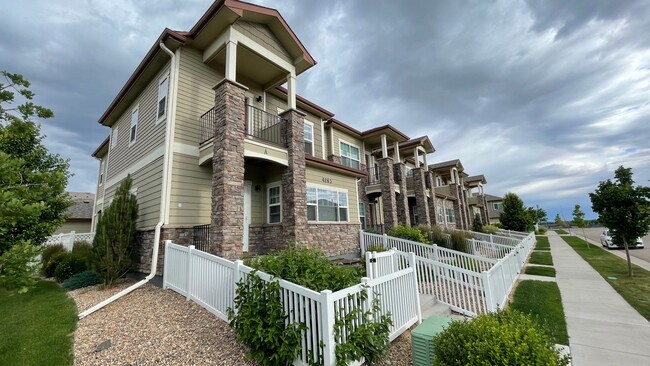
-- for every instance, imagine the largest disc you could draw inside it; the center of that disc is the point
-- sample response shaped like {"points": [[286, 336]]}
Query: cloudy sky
{"points": [[546, 98]]}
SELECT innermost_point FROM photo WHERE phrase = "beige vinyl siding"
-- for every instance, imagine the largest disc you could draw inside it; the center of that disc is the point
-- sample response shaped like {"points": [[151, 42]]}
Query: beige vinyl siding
{"points": [[275, 105], [191, 187], [262, 35], [328, 142], [195, 94], [147, 181], [320, 178], [100, 187], [340, 135], [149, 134], [318, 138], [76, 226], [262, 177]]}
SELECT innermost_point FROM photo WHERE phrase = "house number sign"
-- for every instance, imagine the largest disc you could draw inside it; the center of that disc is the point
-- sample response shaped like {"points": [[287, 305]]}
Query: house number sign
{"points": [[327, 180]]}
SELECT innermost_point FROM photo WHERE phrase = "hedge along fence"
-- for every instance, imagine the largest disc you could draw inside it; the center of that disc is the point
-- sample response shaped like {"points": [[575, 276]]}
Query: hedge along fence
{"points": [[211, 282]]}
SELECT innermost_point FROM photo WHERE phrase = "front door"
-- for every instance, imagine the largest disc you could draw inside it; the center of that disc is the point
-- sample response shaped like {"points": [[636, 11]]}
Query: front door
{"points": [[247, 212]]}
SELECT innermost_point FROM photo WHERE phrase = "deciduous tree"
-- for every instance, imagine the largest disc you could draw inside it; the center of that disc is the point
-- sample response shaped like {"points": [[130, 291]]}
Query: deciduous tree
{"points": [[579, 221]]}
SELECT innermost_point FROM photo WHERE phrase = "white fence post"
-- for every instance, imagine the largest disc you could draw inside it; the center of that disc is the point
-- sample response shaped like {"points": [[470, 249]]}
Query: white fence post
{"points": [[166, 265], [362, 244], [369, 296], [491, 238], [385, 241], [236, 276], [487, 292], [189, 272], [369, 269], [413, 264], [327, 320]]}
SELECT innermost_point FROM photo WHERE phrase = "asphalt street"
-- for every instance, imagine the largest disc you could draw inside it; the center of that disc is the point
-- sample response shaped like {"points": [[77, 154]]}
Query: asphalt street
{"points": [[594, 234]]}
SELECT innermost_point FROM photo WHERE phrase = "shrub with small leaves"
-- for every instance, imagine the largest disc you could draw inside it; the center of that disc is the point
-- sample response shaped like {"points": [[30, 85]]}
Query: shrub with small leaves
{"points": [[459, 240], [69, 266], [81, 280], [18, 265], [438, 236], [84, 250], [376, 248], [491, 229], [408, 233], [49, 266], [503, 338]]}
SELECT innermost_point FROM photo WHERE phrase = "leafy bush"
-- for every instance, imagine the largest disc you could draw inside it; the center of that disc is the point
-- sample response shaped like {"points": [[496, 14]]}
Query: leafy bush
{"points": [[260, 322], [80, 280], [49, 266], [69, 266], [18, 266], [84, 250], [491, 229], [307, 267], [541, 231], [459, 240], [376, 248], [438, 236], [504, 338], [50, 250], [477, 224], [408, 233]]}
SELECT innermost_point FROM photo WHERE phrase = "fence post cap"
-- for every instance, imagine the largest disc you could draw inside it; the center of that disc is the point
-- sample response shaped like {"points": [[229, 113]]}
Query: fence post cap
{"points": [[239, 262], [365, 279]]}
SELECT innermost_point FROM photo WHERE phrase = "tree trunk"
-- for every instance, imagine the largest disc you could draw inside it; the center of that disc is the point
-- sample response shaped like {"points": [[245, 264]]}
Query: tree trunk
{"points": [[629, 261], [585, 236]]}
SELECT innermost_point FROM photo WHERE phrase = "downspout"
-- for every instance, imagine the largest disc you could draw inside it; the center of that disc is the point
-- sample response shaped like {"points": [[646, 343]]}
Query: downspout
{"points": [[167, 157]]}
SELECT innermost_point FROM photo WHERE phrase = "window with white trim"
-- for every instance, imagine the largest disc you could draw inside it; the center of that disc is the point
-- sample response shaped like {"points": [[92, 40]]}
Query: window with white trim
{"points": [[163, 89], [102, 166], [451, 215], [362, 215], [349, 155], [439, 217], [134, 126], [497, 206], [327, 205], [114, 137], [309, 138], [274, 204]]}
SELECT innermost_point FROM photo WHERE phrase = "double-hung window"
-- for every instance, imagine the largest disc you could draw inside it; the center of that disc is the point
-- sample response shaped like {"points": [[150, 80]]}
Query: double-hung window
{"points": [[102, 166], [439, 217], [274, 204], [362, 215], [349, 155], [497, 206], [451, 215], [134, 126], [327, 205], [309, 138], [114, 137], [163, 88]]}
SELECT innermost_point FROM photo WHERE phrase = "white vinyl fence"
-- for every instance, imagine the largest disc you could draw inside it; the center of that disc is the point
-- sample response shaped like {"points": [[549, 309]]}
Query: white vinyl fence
{"points": [[68, 239], [211, 281], [468, 284]]}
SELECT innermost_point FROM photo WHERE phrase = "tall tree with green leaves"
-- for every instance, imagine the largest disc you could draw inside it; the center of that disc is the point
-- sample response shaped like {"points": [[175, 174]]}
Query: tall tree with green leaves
{"points": [[477, 223], [623, 208], [514, 215], [579, 221], [114, 242], [558, 221], [33, 201]]}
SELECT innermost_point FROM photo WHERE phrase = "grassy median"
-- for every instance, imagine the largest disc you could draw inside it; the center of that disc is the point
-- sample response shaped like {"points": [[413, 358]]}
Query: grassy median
{"points": [[540, 271], [542, 300], [37, 326], [541, 258], [635, 290], [542, 243]]}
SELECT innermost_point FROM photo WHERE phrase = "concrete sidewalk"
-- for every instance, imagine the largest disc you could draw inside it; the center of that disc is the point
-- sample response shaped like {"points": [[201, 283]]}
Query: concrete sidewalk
{"points": [[603, 328]]}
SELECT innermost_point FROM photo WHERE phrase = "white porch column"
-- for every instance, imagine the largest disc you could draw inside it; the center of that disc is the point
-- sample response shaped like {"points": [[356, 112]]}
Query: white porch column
{"points": [[424, 156], [291, 91], [384, 146], [453, 176], [416, 157], [231, 61], [396, 158]]}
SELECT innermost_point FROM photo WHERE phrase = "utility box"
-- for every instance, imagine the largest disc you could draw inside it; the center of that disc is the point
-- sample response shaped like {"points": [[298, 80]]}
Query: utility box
{"points": [[422, 339]]}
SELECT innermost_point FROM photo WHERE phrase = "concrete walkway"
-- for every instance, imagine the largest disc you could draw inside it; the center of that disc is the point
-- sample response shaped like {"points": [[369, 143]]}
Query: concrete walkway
{"points": [[603, 328]]}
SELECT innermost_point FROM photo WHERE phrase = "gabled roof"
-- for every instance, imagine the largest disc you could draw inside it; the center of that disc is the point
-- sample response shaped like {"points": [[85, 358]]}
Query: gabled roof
{"points": [[83, 205], [448, 164], [476, 178], [420, 141], [101, 150], [489, 197]]}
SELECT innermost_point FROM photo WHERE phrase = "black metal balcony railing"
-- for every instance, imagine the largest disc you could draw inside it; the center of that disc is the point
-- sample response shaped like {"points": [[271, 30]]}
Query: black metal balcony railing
{"points": [[201, 237], [259, 125], [208, 125], [263, 125], [373, 175], [409, 183]]}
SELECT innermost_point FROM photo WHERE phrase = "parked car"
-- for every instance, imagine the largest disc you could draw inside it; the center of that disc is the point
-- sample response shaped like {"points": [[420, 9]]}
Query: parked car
{"points": [[607, 241]]}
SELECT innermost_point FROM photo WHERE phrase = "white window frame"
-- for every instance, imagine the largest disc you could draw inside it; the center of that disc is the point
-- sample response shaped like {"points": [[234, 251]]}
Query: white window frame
{"points": [[451, 215], [341, 142], [101, 172], [133, 135], [338, 207], [115, 136], [495, 204], [160, 97], [362, 222], [268, 201], [440, 215], [313, 148]]}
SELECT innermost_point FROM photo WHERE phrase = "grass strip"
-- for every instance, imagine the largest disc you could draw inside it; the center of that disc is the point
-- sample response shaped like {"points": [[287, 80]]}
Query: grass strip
{"points": [[561, 231], [37, 326], [541, 258], [542, 243], [543, 301], [635, 290], [540, 271]]}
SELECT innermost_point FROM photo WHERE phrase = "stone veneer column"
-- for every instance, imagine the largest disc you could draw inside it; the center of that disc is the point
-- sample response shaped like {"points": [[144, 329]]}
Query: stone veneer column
{"points": [[227, 226], [458, 206], [294, 179], [402, 199], [419, 186], [432, 198], [388, 198], [363, 197]]}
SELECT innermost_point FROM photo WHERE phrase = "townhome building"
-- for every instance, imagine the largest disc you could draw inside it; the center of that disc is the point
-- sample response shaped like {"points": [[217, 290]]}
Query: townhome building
{"points": [[453, 195], [495, 207], [476, 199]]}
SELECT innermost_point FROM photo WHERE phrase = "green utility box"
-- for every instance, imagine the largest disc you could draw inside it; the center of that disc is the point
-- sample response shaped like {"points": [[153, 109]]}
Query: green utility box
{"points": [[422, 339]]}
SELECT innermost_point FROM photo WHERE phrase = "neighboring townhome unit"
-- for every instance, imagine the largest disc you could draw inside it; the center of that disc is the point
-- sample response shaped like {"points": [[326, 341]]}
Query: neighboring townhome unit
{"points": [[495, 207], [476, 201], [449, 186]]}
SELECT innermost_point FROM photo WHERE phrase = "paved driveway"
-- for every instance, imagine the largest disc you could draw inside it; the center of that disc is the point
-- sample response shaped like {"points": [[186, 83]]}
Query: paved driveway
{"points": [[594, 234]]}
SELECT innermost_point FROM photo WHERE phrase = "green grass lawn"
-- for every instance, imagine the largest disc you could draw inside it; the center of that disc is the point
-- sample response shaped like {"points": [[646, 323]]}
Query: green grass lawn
{"points": [[561, 231], [540, 271], [542, 243], [542, 299], [37, 326], [541, 258], [635, 290]]}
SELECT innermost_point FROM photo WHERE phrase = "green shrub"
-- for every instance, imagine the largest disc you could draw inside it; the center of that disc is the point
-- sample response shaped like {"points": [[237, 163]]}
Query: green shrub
{"points": [[49, 266], [408, 233], [504, 338], [541, 230], [477, 224], [459, 240], [80, 280], [69, 266], [50, 250], [18, 266], [372, 231], [438, 236], [84, 250], [375, 248], [491, 229], [307, 267]]}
